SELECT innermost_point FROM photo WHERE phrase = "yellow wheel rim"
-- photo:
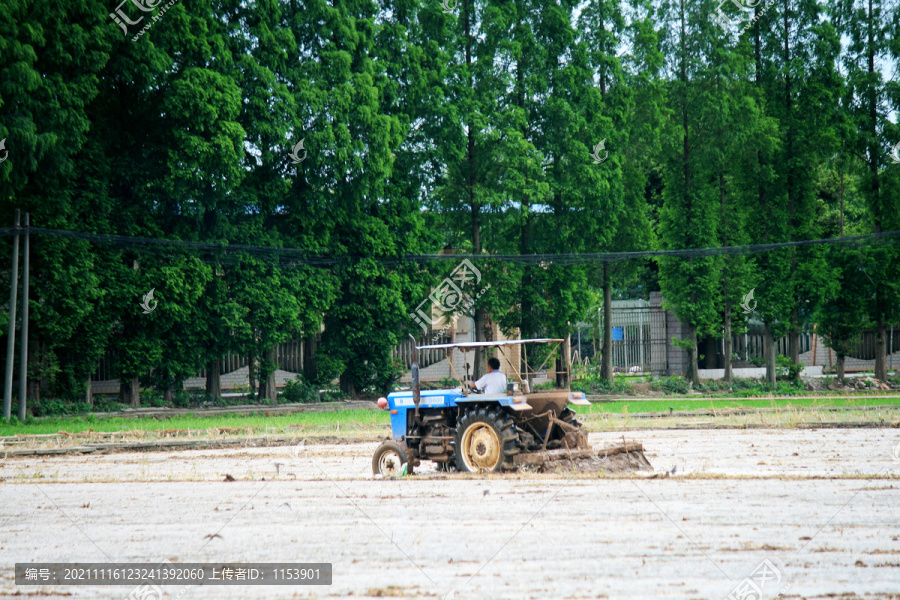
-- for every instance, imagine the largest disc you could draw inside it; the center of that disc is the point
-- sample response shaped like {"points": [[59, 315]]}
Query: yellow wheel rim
{"points": [[481, 448]]}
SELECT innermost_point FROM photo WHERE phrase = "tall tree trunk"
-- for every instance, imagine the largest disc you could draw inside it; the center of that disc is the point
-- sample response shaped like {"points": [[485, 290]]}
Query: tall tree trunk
{"points": [[769, 351], [478, 368], [840, 366], [474, 205], [881, 308], [607, 370], [346, 384], [881, 351], [41, 383], [725, 285], [795, 337], [252, 369], [88, 396], [729, 375], [310, 345], [686, 147], [135, 391], [526, 324], [842, 202], [693, 367], [267, 369], [213, 380], [167, 396], [130, 391], [874, 148], [768, 344], [271, 386], [480, 313], [480, 316], [794, 330]]}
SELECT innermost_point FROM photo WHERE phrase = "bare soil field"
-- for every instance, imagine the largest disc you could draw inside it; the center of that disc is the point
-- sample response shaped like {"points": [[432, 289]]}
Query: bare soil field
{"points": [[822, 506]]}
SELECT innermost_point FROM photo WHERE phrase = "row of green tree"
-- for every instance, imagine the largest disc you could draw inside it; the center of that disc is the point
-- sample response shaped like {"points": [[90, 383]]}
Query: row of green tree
{"points": [[485, 126]]}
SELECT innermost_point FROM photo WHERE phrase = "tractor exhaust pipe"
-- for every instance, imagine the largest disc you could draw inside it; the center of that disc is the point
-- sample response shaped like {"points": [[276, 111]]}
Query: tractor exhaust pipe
{"points": [[416, 388]]}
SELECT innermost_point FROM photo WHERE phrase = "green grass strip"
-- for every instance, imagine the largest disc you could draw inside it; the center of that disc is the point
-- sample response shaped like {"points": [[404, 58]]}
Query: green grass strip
{"points": [[257, 422], [674, 403]]}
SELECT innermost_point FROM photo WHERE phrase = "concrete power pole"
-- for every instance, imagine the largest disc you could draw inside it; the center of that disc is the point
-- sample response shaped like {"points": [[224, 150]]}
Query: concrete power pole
{"points": [[11, 335], [23, 347]]}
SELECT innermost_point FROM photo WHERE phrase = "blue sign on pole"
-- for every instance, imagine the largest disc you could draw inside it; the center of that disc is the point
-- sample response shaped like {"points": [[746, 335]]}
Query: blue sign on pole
{"points": [[618, 333]]}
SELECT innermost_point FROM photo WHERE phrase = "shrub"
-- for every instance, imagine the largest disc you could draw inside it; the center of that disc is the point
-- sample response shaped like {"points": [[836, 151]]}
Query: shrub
{"points": [[388, 375], [671, 385], [448, 382], [57, 407], [107, 404], [330, 396], [152, 398], [297, 390], [712, 385], [789, 387], [182, 399], [787, 369], [328, 368], [598, 385], [747, 384]]}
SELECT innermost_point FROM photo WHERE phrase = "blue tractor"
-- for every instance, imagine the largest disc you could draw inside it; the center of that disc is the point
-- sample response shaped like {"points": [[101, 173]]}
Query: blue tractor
{"points": [[461, 429]]}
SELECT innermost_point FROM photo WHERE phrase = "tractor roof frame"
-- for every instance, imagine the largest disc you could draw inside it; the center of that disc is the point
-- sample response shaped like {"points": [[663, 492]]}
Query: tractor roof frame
{"points": [[465, 346]]}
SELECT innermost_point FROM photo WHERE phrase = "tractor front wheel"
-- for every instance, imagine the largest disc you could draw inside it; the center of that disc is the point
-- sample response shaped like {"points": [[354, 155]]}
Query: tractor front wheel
{"points": [[389, 459], [485, 440]]}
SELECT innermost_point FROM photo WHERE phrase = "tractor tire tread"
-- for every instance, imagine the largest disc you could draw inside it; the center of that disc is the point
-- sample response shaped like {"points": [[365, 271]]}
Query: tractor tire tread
{"points": [[502, 424]]}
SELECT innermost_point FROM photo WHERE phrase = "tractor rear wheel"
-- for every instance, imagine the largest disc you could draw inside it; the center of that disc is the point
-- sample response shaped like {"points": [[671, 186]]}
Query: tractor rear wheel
{"points": [[389, 459], [485, 440]]}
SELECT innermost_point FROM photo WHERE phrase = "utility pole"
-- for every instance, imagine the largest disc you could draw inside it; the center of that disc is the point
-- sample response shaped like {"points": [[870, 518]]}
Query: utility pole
{"points": [[11, 335], [23, 347]]}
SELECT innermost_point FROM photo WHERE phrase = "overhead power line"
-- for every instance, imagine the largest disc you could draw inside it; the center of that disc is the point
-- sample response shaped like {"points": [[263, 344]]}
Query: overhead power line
{"points": [[872, 239], [229, 253]]}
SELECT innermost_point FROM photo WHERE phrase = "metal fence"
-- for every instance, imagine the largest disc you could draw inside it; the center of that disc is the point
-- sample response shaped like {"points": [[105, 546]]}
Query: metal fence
{"points": [[638, 336], [748, 348], [404, 349], [288, 357], [640, 342]]}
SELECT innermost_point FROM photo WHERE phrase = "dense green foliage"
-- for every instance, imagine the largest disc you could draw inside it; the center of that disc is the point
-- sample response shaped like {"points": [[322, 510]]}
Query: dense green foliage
{"points": [[481, 126]]}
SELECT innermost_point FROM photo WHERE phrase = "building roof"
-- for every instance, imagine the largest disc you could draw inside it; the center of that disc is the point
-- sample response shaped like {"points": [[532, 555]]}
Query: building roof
{"points": [[468, 345]]}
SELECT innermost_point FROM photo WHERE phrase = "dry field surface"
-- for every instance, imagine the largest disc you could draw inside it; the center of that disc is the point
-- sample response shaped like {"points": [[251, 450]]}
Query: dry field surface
{"points": [[821, 505]]}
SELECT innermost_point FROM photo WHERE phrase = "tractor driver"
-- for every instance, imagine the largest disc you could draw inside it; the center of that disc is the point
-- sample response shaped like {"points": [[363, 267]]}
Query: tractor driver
{"points": [[493, 382]]}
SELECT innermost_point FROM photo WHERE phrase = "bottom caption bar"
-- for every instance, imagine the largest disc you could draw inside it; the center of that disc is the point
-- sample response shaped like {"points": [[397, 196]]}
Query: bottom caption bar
{"points": [[169, 573]]}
